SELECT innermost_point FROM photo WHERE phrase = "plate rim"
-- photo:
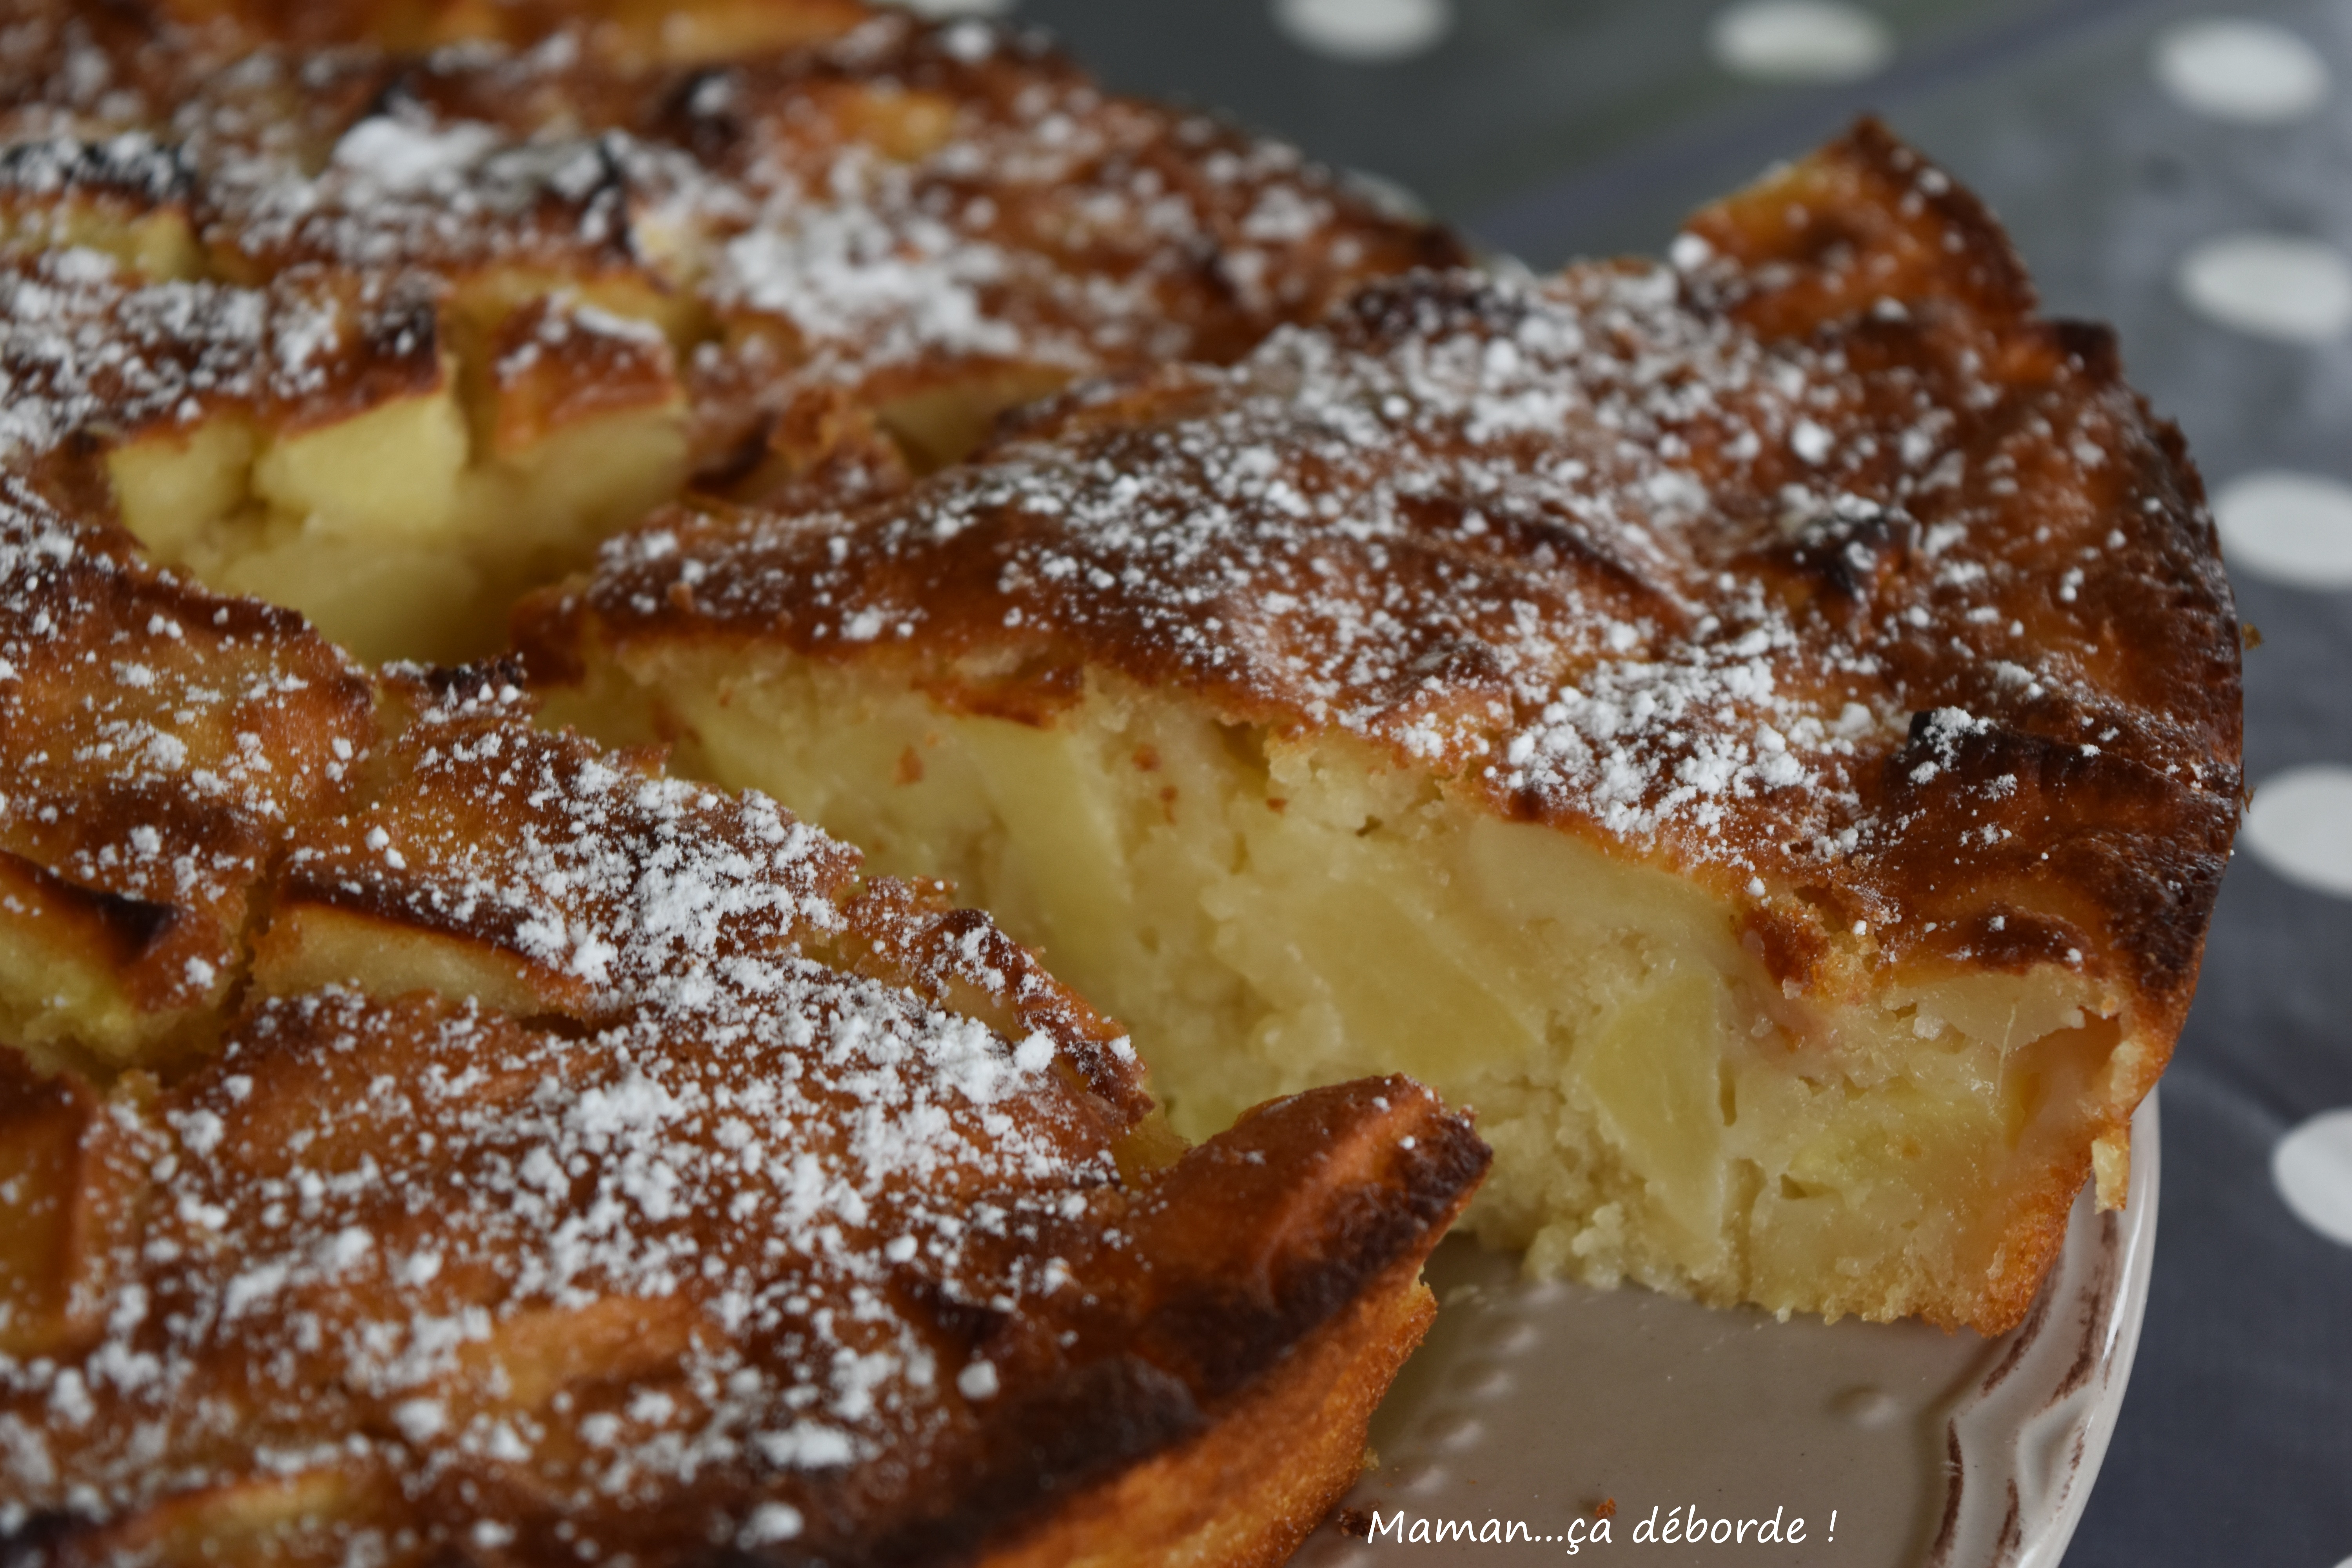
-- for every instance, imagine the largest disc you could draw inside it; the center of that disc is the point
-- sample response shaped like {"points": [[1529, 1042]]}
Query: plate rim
{"points": [[2024, 1441], [2010, 1448]]}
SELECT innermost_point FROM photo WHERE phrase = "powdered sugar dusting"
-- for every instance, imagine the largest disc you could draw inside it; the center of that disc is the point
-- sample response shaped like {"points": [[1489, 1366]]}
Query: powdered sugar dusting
{"points": [[1526, 604]]}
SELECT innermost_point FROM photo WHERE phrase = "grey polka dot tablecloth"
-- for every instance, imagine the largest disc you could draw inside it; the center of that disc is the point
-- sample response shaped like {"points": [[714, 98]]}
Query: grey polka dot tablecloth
{"points": [[2184, 172]]}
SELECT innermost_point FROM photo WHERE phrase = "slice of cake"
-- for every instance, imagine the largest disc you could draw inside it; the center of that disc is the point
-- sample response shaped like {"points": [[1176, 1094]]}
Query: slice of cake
{"points": [[1764, 730], [425, 1139], [389, 338]]}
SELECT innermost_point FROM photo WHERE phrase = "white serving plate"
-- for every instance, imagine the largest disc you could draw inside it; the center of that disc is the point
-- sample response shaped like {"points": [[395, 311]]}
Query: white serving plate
{"points": [[1536, 1402]]}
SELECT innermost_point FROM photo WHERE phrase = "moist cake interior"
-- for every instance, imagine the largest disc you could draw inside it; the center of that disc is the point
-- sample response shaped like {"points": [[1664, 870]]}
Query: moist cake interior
{"points": [[1267, 914]]}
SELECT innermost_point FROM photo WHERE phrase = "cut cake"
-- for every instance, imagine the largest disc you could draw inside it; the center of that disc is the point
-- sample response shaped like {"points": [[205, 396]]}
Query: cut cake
{"points": [[1762, 728]]}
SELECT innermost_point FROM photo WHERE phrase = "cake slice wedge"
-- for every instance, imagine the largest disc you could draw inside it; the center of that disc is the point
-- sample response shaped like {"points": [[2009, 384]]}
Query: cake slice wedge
{"points": [[1762, 728]]}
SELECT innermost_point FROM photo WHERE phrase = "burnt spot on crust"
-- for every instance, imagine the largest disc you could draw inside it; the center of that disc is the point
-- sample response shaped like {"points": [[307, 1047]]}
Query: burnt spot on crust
{"points": [[2092, 347], [705, 113], [1845, 555], [1427, 303]]}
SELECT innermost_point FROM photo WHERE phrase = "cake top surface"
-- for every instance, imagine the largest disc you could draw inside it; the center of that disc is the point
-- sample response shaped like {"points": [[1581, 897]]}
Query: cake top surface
{"points": [[1811, 561]]}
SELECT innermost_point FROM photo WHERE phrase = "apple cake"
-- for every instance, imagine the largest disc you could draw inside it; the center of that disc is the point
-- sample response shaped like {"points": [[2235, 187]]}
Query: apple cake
{"points": [[388, 337], [1763, 728], [425, 1138]]}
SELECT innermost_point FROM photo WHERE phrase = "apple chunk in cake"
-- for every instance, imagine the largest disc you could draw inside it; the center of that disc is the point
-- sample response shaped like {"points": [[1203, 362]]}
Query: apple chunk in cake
{"points": [[1763, 730]]}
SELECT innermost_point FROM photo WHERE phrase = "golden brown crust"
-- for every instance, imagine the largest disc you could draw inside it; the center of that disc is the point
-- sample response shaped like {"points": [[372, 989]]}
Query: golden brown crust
{"points": [[1815, 559]]}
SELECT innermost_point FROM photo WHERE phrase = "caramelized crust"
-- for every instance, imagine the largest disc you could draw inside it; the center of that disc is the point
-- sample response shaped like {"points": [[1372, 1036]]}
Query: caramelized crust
{"points": [[581, 1161]]}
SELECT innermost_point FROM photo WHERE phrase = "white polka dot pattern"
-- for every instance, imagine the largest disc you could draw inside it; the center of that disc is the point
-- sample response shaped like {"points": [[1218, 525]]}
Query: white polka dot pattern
{"points": [[1800, 41], [2301, 827], [2231, 69], [2288, 527], [1365, 31], [2312, 1168], [2271, 285]]}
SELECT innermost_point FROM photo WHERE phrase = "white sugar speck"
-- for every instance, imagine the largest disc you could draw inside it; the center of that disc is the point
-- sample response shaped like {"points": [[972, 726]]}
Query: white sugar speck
{"points": [[769, 1523], [397, 157], [420, 1420], [1812, 442]]}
